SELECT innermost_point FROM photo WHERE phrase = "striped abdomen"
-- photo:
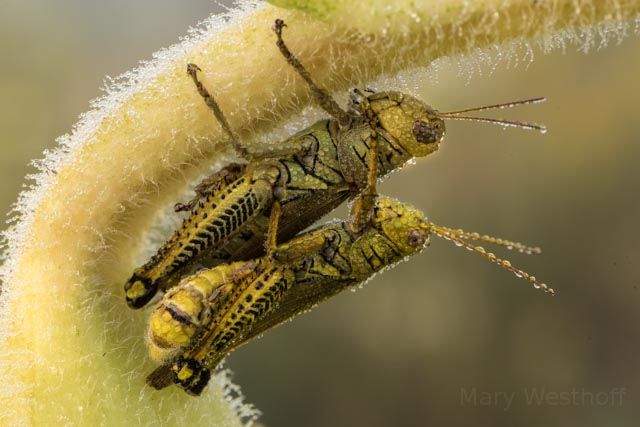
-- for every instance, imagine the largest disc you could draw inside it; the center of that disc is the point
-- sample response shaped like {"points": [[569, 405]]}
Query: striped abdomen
{"points": [[253, 300], [186, 308]]}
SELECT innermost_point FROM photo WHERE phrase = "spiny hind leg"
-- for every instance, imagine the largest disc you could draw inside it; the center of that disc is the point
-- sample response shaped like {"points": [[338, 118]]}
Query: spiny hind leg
{"points": [[212, 184], [321, 95]]}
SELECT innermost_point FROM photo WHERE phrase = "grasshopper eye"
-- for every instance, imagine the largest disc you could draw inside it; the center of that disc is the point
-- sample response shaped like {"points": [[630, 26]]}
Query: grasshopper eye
{"points": [[416, 238], [425, 132]]}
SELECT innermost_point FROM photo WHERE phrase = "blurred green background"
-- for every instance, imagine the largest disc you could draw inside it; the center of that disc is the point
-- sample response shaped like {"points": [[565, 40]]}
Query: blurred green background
{"points": [[415, 344]]}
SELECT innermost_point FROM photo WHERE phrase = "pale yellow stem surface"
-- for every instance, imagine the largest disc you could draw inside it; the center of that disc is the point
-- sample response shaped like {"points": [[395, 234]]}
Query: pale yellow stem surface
{"points": [[72, 352]]}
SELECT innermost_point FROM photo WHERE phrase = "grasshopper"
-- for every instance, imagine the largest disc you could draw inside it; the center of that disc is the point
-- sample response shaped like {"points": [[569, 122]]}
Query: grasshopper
{"points": [[213, 312], [245, 208]]}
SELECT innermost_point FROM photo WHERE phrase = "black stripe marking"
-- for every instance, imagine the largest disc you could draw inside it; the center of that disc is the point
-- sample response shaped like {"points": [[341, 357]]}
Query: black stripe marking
{"points": [[366, 258], [178, 315]]}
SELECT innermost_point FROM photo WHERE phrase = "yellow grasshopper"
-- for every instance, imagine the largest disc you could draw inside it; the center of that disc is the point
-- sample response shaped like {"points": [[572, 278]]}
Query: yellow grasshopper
{"points": [[282, 191], [213, 312]]}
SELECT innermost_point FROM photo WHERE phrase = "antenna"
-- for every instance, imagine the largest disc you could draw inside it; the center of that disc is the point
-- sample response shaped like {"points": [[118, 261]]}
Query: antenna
{"points": [[492, 240], [455, 115], [503, 122], [498, 106], [458, 236]]}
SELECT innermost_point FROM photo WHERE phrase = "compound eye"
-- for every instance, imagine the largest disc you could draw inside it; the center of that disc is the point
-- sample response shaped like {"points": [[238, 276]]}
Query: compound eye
{"points": [[416, 238], [424, 132]]}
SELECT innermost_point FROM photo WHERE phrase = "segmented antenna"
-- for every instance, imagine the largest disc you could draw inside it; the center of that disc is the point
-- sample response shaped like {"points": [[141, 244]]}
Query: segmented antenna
{"points": [[501, 122], [498, 106], [492, 240], [458, 236], [455, 115]]}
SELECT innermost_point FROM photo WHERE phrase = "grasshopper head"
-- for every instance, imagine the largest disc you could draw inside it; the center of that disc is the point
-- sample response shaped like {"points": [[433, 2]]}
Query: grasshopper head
{"points": [[405, 226], [416, 126], [190, 375], [139, 290]]}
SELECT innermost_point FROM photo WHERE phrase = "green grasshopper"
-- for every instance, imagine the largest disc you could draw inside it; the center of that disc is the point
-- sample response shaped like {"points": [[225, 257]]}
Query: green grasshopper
{"points": [[213, 312], [242, 209]]}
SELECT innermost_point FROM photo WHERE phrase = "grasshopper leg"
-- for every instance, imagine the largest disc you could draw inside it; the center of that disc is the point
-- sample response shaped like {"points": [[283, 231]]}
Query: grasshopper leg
{"points": [[211, 185], [271, 241], [192, 70], [321, 95], [362, 208], [272, 233], [250, 153]]}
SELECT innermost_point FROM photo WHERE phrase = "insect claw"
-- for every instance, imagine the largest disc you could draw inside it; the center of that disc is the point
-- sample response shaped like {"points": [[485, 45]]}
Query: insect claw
{"points": [[192, 69], [181, 207], [279, 25]]}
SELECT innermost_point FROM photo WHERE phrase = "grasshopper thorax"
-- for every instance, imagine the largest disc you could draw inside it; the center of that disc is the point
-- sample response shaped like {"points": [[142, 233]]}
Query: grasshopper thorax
{"points": [[413, 124]]}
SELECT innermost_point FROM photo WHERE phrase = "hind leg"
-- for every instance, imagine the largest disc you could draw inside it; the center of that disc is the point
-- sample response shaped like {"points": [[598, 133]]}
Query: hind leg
{"points": [[212, 184]]}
